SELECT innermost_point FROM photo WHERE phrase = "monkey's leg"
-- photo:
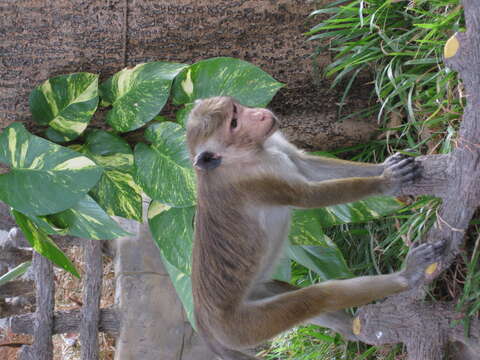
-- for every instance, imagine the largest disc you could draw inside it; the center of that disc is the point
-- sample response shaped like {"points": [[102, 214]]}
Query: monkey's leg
{"points": [[249, 322], [254, 321], [339, 321]]}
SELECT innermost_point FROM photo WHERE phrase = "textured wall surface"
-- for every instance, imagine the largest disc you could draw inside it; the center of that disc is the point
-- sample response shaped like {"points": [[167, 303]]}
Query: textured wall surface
{"points": [[43, 38]]}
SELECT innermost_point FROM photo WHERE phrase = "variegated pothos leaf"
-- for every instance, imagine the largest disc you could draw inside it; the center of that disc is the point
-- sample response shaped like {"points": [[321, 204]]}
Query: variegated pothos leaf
{"points": [[88, 220], [116, 191], [66, 103], [359, 211], [224, 76], [45, 178], [43, 244], [163, 169], [172, 230], [138, 94]]}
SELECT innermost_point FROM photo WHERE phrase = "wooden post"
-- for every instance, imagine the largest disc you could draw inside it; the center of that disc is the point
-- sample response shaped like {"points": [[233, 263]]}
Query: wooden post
{"points": [[92, 290], [42, 348]]}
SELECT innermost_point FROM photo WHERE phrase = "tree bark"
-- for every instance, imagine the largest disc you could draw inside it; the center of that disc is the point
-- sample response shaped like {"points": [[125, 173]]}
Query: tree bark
{"points": [[425, 327]]}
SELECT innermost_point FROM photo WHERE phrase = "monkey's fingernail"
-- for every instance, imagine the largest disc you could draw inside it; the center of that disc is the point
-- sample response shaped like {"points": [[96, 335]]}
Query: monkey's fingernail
{"points": [[356, 326], [431, 268]]}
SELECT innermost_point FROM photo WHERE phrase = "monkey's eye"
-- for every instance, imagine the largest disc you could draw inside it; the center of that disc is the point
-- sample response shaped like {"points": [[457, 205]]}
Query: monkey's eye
{"points": [[234, 123]]}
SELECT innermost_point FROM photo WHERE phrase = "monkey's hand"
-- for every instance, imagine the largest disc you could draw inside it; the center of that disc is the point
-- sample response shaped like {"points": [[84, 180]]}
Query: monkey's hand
{"points": [[419, 259], [399, 170]]}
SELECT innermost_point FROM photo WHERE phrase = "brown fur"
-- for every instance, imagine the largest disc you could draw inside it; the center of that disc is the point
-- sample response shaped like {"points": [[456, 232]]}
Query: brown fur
{"points": [[242, 220]]}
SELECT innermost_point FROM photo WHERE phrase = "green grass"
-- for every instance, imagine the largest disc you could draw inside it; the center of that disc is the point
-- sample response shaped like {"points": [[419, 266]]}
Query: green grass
{"points": [[400, 45]]}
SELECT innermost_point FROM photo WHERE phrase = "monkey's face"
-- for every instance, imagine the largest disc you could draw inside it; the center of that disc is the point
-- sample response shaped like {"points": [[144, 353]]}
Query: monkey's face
{"points": [[244, 126], [220, 126]]}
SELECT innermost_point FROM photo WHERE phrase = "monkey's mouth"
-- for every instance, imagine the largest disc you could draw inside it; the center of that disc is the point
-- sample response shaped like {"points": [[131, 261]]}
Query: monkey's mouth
{"points": [[274, 127]]}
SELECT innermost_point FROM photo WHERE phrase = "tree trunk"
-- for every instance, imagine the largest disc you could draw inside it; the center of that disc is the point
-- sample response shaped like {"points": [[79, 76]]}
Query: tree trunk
{"points": [[52, 37]]}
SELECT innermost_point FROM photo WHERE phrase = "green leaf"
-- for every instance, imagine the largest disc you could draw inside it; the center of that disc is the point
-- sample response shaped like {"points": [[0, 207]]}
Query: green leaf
{"points": [[283, 270], [88, 220], [172, 230], [359, 211], [182, 114], [327, 261], [183, 285], [103, 143], [227, 77], [45, 178], [163, 169], [116, 191], [66, 103], [138, 94], [42, 244], [119, 195], [15, 273], [306, 228]]}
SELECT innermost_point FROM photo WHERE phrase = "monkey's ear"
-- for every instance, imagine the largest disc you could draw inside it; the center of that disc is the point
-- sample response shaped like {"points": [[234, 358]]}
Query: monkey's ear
{"points": [[207, 160]]}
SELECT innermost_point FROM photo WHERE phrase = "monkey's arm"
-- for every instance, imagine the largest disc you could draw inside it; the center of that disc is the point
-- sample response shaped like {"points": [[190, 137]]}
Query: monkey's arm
{"points": [[307, 194], [295, 190], [319, 168]]}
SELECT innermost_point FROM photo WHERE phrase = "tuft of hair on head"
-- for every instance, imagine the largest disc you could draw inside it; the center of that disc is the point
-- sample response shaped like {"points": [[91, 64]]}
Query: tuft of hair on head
{"points": [[206, 117]]}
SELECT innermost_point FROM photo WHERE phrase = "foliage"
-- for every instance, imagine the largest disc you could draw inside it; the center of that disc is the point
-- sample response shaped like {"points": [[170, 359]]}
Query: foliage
{"points": [[58, 190], [15, 273], [401, 45]]}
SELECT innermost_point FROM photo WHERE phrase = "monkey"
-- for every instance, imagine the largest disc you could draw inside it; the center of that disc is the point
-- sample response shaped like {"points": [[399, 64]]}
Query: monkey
{"points": [[249, 177]]}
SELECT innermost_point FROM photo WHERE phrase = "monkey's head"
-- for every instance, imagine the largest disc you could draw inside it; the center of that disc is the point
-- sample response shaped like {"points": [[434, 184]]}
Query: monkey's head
{"points": [[219, 130]]}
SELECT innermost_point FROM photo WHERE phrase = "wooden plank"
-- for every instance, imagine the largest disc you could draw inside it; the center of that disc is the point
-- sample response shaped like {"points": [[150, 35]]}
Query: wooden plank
{"points": [[65, 322], [92, 289], [16, 288]]}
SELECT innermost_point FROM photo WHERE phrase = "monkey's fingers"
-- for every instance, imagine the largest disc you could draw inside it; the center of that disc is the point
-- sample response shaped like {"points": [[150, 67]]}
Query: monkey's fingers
{"points": [[410, 176], [431, 253], [402, 163]]}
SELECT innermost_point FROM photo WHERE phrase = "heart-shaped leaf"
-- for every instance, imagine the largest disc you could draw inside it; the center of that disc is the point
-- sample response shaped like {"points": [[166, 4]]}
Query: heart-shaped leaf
{"points": [[183, 285], [87, 220], [163, 169], [66, 103], [44, 177], [327, 261], [42, 244], [306, 228], [138, 94], [116, 191], [172, 230], [225, 76], [359, 211]]}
